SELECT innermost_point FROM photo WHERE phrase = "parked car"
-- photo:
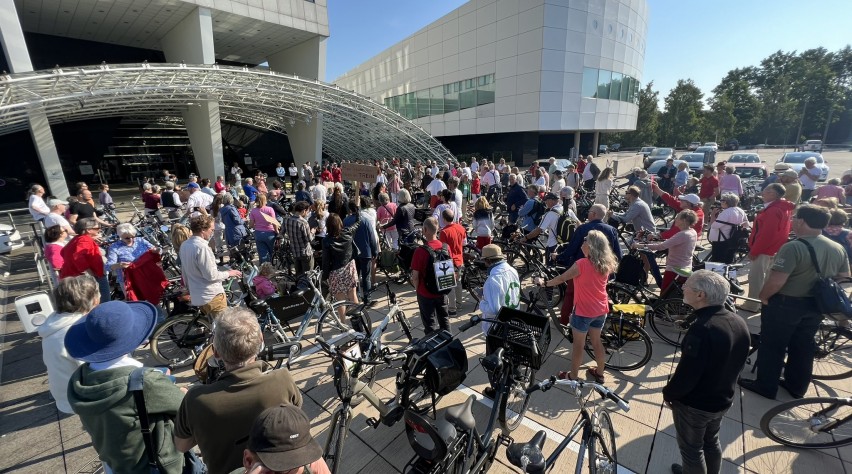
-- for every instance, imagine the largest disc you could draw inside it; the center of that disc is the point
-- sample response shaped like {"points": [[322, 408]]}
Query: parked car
{"points": [[655, 166], [603, 149], [750, 170], [660, 154], [708, 151], [796, 160], [744, 158], [692, 146], [812, 145], [713, 144], [615, 147], [732, 145], [696, 161], [560, 163], [646, 150]]}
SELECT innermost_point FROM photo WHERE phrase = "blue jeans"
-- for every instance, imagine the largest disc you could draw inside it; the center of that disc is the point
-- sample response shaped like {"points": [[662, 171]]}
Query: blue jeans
{"points": [[365, 269], [698, 438], [265, 245], [103, 286], [583, 324]]}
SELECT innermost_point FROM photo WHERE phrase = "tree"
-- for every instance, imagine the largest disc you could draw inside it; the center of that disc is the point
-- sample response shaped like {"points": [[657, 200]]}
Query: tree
{"points": [[682, 121], [720, 121], [736, 89]]}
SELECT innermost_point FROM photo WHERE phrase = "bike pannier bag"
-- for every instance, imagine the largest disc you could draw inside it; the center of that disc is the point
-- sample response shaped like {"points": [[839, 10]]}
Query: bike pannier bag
{"points": [[446, 368]]}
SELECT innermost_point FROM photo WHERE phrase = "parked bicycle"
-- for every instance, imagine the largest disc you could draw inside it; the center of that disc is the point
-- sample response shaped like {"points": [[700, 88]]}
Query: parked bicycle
{"points": [[810, 423], [597, 438]]}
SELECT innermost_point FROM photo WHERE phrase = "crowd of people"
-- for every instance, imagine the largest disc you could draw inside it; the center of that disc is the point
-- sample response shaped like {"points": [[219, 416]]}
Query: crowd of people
{"points": [[89, 341]]}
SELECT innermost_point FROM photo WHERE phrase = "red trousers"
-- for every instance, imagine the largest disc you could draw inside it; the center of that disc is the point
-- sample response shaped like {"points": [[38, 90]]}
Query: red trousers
{"points": [[482, 242]]}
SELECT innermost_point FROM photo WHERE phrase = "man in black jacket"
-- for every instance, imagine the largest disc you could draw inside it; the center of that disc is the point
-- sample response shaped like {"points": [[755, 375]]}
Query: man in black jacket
{"points": [[701, 391]]}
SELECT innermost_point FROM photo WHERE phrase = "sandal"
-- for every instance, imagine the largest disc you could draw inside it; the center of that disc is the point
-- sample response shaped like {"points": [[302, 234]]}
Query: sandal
{"points": [[599, 378], [563, 375]]}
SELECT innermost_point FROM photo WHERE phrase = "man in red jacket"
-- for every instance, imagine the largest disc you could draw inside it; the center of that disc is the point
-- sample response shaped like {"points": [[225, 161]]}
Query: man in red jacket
{"points": [[770, 231], [709, 187], [455, 236], [680, 203]]}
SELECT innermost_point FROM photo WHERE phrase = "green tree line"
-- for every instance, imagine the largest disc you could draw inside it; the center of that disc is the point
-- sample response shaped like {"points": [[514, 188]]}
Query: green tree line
{"points": [[788, 98]]}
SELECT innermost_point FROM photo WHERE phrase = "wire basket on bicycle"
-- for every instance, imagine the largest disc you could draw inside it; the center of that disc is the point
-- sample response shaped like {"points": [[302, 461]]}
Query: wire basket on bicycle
{"points": [[514, 336]]}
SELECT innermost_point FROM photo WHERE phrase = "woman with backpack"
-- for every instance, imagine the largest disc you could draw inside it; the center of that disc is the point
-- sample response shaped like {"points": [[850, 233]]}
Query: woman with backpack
{"points": [[725, 230], [590, 275]]}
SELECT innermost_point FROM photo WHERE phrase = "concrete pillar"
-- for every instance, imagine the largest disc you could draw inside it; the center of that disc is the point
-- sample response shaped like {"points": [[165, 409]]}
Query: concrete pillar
{"points": [[595, 143], [576, 145], [191, 42], [18, 58], [306, 59]]}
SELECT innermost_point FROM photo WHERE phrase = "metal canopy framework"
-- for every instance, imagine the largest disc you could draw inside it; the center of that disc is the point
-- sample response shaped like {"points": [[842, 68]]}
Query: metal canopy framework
{"points": [[354, 127]]}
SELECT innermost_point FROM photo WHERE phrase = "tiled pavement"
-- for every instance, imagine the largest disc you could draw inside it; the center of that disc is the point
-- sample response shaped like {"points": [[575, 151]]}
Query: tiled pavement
{"points": [[34, 437]]}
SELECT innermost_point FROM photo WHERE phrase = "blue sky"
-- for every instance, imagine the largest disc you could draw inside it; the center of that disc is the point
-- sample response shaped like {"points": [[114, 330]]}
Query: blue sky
{"points": [[697, 39]]}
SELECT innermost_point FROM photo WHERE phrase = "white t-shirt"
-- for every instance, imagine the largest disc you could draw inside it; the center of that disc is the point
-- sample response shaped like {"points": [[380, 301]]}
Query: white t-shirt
{"points": [[467, 172], [587, 172], [435, 187], [38, 209], [294, 171], [439, 209], [319, 193], [557, 186], [474, 166], [53, 219], [380, 178], [198, 199], [807, 182], [541, 181], [548, 223]]}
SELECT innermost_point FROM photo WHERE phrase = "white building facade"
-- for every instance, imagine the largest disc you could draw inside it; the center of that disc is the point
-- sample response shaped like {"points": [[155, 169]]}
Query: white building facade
{"points": [[516, 79]]}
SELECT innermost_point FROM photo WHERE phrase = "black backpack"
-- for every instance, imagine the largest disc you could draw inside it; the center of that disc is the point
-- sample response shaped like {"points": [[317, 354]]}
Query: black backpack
{"points": [[538, 211], [631, 270], [430, 278], [737, 234], [565, 227]]}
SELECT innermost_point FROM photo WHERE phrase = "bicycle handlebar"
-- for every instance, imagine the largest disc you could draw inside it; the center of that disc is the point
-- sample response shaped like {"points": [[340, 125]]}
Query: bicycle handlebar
{"points": [[332, 351], [547, 384]]}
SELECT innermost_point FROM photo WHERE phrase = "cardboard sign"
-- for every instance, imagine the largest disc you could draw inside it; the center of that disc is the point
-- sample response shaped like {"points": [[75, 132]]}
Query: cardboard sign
{"points": [[445, 275], [359, 172]]}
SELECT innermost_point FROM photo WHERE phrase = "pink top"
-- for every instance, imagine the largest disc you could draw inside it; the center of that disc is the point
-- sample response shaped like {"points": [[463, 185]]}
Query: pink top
{"points": [[384, 213], [590, 299], [730, 183], [260, 224], [831, 190], [263, 287], [261, 186], [53, 257], [680, 246], [394, 184]]}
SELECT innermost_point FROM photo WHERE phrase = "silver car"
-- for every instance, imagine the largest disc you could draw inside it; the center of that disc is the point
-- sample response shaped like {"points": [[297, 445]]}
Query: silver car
{"points": [[796, 160]]}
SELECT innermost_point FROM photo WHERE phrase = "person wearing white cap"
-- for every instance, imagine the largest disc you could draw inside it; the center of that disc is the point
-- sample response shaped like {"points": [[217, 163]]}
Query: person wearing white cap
{"points": [[57, 217], [683, 202]]}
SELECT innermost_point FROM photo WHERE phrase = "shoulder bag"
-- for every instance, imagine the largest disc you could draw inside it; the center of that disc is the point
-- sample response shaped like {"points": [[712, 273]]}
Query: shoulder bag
{"points": [[831, 300], [191, 462]]}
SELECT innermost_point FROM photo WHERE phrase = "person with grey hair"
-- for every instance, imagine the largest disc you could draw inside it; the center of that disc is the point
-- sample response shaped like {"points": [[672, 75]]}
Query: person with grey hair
{"points": [[170, 200], [38, 208], [713, 353], [808, 176], [218, 417], [566, 193], [637, 214], [74, 296], [125, 251], [723, 230]]}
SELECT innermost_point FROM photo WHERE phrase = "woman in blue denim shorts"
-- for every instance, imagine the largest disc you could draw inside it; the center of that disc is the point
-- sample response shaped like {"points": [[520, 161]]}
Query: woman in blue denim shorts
{"points": [[591, 303]]}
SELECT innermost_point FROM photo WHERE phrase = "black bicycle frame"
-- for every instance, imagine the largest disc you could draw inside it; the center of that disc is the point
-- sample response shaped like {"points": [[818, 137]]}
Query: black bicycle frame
{"points": [[584, 424]]}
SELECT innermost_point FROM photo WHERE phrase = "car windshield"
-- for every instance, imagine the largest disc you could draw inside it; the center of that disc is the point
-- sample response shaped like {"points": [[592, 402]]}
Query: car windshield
{"points": [[749, 172], [693, 158], [662, 151], [799, 157], [744, 159], [655, 166]]}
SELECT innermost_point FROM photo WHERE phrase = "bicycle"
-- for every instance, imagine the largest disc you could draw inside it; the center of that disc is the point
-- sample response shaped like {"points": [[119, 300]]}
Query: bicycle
{"points": [[420, 383], [515, 344], [598, 433], [810, 423]]}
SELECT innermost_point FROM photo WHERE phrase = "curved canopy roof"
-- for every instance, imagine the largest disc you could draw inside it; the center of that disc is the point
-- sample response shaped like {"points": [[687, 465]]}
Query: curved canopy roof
{"points": [[355, 128]]}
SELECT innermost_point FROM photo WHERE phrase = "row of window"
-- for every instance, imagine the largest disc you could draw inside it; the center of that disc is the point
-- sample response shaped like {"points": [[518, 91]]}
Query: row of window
{"points": [[603, 84], [444, 99]]}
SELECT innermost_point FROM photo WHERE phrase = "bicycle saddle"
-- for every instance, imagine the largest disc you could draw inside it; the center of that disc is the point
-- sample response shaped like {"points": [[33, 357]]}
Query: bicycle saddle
{"points": [[530, 449], [462, 415], [258, 306]]}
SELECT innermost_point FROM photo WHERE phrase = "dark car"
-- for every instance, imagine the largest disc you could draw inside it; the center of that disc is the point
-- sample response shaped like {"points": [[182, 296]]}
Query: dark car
{"points": [[732, 145], [615, 147], [603, 149], [646, 150]]}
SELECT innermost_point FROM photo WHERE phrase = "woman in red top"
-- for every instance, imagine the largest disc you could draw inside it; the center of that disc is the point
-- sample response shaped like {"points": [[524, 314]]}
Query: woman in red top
{"points": [[220, 186], [83, 255], [326, 175], [475, 186], [590, 275], [337, 174]]}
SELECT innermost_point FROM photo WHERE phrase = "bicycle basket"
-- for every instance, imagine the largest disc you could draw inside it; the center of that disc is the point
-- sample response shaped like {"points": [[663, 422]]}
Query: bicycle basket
{"points": [[514, 338]]}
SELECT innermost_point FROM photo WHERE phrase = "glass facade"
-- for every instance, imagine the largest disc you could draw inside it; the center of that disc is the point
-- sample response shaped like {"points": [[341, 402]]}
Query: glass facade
{"points": [[603, 84], [444, 99]]}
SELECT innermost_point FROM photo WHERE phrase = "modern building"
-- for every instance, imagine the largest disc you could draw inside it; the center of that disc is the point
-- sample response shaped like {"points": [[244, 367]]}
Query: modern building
{"points": [[289, 35], [516, 79]]}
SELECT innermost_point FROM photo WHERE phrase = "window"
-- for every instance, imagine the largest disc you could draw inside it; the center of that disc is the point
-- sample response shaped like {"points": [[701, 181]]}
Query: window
{"points": [[436, 100], [444, 99], [451, 97], [626, 84], [604, 82], [485, 90], [467, 96], [422, 101], [615, 90], [629, 89], [590, 82]]}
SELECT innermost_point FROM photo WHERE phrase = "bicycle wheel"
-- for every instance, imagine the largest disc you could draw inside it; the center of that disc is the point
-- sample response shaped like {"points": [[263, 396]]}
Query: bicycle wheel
{"points": [[336, 437], [810, 423], [627, 346], [833, 358], [179, 339], [420, 399], [405, 325], [550, 297], [602, 449], [620, 294], [517, 261], [514, 405], [329, 326], [671, 319]]}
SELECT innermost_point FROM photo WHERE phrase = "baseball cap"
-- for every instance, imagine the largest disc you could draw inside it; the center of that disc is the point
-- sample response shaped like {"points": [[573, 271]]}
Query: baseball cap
{"points": [[192, 185], [690, 198], [56, 202], [550, 196], [281, 438]]}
